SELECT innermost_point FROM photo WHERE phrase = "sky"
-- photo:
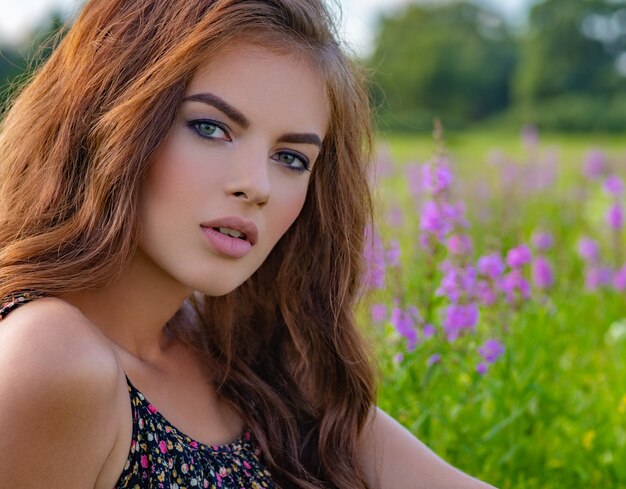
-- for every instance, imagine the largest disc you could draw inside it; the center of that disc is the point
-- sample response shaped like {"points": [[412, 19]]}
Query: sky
{"points": [[19, 16]]}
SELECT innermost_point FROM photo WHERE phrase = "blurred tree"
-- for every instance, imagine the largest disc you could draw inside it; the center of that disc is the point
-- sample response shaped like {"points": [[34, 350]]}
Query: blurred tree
{"points": [[452, 60], [572, 47], [18, 62]]}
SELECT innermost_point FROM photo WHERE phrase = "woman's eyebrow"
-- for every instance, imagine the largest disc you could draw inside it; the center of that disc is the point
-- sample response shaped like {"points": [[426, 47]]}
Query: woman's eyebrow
{"points": [[304, 138], [237, 116], [221, 105]]}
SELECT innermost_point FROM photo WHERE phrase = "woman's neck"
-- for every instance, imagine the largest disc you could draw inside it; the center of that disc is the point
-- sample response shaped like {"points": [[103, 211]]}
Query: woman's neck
{"points": [[134, 309]]}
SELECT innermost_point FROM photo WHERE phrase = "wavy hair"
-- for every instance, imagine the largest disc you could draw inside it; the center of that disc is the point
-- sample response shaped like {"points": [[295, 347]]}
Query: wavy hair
{"points": [[74, 149]]}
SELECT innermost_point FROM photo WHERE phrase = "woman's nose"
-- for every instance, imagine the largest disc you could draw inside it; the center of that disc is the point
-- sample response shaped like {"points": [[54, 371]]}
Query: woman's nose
{"points": [[249, 178]]}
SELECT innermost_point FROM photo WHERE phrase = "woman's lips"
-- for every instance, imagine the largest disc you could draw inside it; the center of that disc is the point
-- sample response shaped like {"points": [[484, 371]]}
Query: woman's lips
{"points": [[235, 247], [227, 245]]}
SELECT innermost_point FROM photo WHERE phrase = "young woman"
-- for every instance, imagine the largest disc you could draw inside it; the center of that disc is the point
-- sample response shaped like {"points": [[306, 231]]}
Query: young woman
{"points": [[183, 193]]}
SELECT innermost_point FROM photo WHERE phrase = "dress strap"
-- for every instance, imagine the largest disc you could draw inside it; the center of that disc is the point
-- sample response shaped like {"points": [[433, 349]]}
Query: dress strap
{"points": [[15, 301]]}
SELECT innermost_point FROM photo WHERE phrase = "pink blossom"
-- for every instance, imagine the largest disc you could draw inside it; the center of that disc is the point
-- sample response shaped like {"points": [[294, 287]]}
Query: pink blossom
{"points": [[374, 255], [543, 277], [542, 240], [378, 312], [459, 244], [429, 331], [595, 164], [615, 216], [433, 359], [491, 350], [491, 266], [588, 249], [597, 277], [459, 317], [394, 253], [530, 135], [404, 323], [518, 257], [614, 185], [515, 286], [481, 368], [437, 177], [619, 279]]}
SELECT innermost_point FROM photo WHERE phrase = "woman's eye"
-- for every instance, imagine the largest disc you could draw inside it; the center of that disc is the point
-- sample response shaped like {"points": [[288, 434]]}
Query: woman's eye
{"points": [[210, 130], [292, 160]]}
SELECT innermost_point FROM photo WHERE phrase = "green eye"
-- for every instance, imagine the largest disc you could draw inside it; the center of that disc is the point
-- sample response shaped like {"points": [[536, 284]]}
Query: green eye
{"points": [[210, 129], [294, 161], [207, 128]]}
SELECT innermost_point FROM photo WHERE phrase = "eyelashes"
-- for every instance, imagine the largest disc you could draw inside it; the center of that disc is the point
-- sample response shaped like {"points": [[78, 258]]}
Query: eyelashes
{"points": [[208, 129], [217, 131]]}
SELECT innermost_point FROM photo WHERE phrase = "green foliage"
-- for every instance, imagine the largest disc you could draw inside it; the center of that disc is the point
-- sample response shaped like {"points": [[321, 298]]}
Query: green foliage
{"points": [[17, 63], [566, 70], [568, 50], [551, 413], [452, 61]]}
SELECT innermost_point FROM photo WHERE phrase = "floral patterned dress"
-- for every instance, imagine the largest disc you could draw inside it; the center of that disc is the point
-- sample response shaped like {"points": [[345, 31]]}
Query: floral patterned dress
{"points": [[163, 457]]}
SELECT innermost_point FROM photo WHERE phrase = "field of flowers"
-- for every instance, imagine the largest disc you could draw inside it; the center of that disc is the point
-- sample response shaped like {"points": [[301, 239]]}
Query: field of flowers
{"points": [[497, 303]]}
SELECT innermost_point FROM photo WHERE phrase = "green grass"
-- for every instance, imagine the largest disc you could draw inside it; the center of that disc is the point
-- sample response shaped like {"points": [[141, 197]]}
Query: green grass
{"points": [[551, 413]]}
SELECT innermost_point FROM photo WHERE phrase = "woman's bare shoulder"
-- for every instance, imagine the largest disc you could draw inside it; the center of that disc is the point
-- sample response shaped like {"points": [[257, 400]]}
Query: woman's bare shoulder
{"points": [[393, 457], [59, 397]]}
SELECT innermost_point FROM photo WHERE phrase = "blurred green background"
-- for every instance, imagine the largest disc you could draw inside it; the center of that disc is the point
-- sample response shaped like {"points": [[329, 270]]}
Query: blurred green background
{"points": [[550, 413], [563, 68]]}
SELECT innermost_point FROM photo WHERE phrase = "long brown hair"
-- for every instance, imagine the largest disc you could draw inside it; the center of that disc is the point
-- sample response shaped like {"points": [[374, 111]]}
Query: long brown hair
{"points": [[74, 149]]}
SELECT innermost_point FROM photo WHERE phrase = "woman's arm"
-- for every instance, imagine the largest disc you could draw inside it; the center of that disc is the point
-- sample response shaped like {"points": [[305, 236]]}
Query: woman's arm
{"points": [[58, 388], [392, 457]]}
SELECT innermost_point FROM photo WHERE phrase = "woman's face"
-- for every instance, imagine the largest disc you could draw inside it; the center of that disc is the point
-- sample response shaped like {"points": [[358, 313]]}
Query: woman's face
{"points": [[233, 174]]}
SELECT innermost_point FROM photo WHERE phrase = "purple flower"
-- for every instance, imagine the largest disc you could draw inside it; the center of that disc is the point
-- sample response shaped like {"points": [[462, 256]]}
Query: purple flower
{"points": [[542, 273], [374, 255], [457, 282], [459, 244], [515, 286], [491, 350], [378, 312], [485, 293], [414, 313], [455, 213], [588, 249], [398, 358], [491, 266], [393, 253], [458, 317], [530, 135], [405, 326], [433, 220], [518, 257], [615, 216], [433, 359], [596, 277], [595, 164], [481, 368], [619, 279], [429, 331], [437, 177], [613, 185], [542, 240]]}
